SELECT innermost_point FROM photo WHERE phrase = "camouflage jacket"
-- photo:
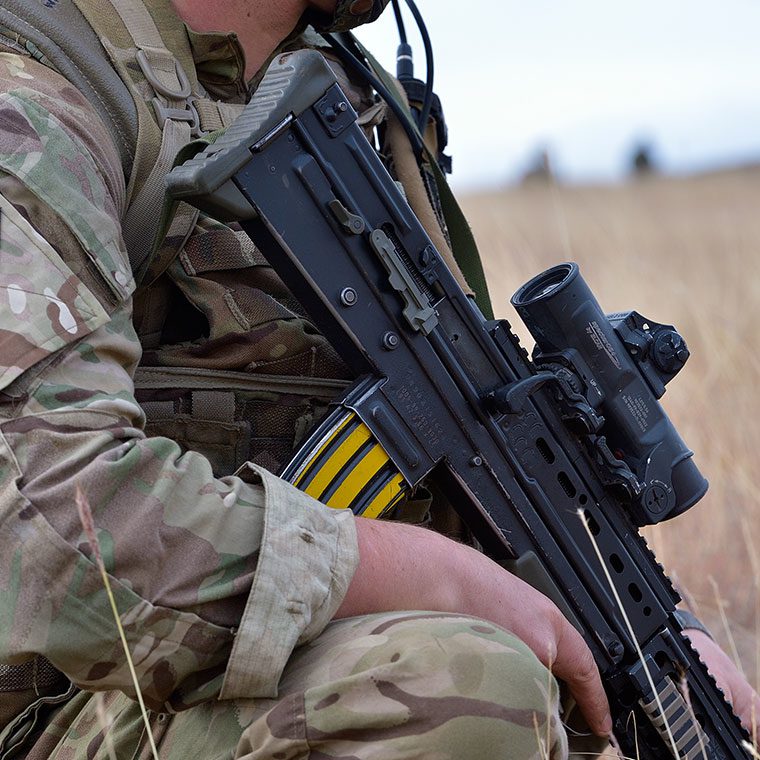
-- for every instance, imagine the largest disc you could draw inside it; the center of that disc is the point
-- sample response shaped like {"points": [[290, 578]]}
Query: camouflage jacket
{"points": [[217, 579]]}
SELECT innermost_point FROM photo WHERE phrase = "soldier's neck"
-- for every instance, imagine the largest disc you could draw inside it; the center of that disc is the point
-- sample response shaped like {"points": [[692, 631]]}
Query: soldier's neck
{"points": [[261, 25]]}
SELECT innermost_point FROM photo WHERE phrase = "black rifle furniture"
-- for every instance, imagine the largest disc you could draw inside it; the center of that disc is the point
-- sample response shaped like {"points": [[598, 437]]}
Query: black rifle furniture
{"points": [[555, 462]]}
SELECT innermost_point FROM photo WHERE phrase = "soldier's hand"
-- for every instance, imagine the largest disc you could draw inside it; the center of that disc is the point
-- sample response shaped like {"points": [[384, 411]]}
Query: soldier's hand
{"points": [[406, 568], [739, 693]]}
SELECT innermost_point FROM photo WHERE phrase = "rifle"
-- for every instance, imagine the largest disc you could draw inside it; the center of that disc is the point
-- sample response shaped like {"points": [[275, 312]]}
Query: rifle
{"points": [[539, 455]]}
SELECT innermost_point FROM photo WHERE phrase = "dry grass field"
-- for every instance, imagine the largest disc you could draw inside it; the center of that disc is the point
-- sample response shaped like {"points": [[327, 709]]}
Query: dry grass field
{"points": [[683, 251]]}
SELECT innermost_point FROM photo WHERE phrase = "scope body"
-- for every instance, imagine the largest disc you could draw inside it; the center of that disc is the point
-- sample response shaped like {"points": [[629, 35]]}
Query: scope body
{"points": [[572, 331]]}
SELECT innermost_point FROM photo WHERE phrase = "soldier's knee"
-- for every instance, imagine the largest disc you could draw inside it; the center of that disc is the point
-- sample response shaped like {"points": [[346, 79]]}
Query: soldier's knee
{"points": [[489, 694], [467, 657], [451, 687]]}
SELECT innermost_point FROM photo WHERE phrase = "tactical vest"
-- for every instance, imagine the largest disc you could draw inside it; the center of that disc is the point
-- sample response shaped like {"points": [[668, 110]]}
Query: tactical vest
{"points": [[231, 367], [226, 352], [226, 349]]}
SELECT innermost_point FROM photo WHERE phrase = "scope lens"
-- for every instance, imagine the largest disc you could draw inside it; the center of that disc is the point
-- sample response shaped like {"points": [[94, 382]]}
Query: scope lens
{"points": [[544, 284], [548, 289]]}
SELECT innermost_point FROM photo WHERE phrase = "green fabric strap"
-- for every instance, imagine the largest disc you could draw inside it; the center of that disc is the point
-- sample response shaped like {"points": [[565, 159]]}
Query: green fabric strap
{"points": [[164, 252], [463, 243]]}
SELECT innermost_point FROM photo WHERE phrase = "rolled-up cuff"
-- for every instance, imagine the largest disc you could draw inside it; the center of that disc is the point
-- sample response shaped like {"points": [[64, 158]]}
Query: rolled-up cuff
{"points": [[307, 559]]}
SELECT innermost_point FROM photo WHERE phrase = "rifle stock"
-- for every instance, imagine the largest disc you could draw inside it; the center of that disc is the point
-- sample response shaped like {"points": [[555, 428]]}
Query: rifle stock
{"points": [[444, 393]]}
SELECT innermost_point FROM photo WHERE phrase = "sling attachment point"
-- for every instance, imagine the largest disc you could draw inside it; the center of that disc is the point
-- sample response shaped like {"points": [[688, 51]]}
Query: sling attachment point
{"points": [[189, 114]]}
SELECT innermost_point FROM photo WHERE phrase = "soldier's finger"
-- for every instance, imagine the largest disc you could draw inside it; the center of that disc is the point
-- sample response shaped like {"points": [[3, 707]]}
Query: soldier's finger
{"points": [[575, 665]]}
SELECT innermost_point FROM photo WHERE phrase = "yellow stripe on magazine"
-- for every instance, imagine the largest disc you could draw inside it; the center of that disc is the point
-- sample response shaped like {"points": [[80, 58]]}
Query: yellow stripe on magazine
{"points": [[314, 458], [337, 461], [356, 480], [389, 495]]}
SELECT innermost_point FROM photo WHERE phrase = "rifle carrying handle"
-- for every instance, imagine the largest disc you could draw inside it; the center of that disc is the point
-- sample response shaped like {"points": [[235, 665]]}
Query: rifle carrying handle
{"points": [[292, 84]]}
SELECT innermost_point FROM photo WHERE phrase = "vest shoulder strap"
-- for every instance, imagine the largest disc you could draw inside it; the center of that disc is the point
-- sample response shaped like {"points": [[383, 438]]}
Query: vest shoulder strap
{"points": [[135, 65]]}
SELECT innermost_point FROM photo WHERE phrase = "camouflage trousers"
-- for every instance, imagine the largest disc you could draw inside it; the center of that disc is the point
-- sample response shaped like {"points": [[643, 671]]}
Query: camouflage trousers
{"points": [[395, 685]]}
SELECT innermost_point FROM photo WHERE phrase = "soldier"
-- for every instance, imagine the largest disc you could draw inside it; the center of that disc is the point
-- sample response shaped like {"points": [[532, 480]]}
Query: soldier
{"points": [[261, 624]]}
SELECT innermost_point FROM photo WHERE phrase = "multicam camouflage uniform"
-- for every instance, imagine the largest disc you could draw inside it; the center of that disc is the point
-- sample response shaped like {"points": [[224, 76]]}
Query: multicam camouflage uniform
{"points": [[226, 586]]}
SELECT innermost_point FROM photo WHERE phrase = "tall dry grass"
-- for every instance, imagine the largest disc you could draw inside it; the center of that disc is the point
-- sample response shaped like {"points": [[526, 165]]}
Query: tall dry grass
{"points": [[684, 251]]}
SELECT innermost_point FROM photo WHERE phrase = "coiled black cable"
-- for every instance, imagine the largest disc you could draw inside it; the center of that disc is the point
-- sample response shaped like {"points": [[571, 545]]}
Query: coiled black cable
{"points": [[427, 102], [364, 71], [399, 22]]}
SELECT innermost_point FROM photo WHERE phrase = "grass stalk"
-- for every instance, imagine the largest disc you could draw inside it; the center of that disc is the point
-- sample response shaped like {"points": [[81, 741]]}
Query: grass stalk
{"points": [[755, 563], [543, 749], [85, 516], [721, 605], [631, 632]]}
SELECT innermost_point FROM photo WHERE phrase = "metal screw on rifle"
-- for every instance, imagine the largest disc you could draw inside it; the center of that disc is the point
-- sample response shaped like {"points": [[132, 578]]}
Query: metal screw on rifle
{"points": [[656, 497], [390, 341], [348, 297], [331, 114], [476, 461], [670, 351]]}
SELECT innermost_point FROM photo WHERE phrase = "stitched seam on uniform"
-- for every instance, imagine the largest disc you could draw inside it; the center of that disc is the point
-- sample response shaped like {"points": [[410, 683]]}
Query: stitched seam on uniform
{"points": [[39, 111], [5, 446], [229, 299], [332, 564], [68, 411], [37, 240], [95, 91], [186, 263]]}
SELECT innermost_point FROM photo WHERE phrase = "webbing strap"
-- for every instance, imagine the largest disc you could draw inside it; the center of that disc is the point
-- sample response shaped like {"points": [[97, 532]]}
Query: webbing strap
{"points": [[462, 241], [408, 171], [141, 222], [210, 115], [213, 405], [173, 89], [176, 220], [139, 23], [183, 113], [37, 673], [174, 228]]}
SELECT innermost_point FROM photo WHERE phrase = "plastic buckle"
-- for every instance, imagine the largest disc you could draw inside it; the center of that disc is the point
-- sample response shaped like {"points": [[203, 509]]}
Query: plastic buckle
{"points": [[184, 82], [189, 113]]}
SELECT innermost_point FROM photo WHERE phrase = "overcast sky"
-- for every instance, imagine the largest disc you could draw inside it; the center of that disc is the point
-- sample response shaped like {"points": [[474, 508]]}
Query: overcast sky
{"points": [[588, 79]]}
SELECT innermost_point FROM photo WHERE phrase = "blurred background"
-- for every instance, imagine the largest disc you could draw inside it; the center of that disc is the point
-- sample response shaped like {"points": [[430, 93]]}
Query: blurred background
{"points": [[626, 137], [589, 82]]}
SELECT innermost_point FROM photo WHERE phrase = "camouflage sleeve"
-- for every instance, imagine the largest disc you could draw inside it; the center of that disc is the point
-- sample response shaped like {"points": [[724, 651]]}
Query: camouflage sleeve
{"points": [[216, 580]]}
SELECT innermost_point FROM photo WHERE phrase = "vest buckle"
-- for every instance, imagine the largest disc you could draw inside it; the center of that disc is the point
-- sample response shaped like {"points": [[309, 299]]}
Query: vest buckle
{"points": [[182, 93]]}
